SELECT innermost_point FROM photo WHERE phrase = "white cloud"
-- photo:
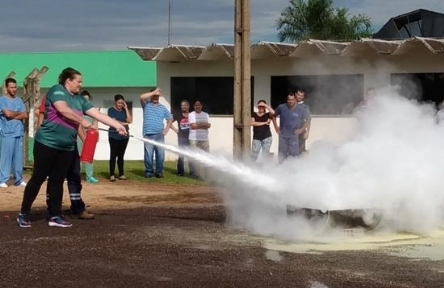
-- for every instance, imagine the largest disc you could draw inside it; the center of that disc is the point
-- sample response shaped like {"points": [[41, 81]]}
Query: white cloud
{"points": [[48, 25], [93, 25]]}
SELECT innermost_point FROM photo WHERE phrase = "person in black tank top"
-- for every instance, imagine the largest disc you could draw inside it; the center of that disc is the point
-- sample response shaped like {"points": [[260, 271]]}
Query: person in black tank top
{"points": [[260, 121]]}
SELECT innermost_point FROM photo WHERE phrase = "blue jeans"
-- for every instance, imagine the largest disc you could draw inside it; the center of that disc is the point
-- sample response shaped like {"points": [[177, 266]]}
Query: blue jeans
{"points": [[256, 146], [151, 152]]}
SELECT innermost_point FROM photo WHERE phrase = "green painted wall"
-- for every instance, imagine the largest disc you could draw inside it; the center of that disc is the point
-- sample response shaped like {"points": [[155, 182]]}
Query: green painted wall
{"points": [[99, 69]]}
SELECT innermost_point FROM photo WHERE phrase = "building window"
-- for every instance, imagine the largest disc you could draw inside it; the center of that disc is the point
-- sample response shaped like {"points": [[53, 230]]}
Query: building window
{"points": [[325, 94], [216, 93], [424, 87]]}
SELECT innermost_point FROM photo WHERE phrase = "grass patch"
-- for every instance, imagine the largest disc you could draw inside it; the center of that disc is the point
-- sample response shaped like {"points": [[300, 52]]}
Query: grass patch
{"points": [[135, 170]]}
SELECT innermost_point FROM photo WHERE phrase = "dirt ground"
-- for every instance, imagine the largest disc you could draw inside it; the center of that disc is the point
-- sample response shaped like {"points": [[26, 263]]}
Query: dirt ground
{"points": [[154, 235]]}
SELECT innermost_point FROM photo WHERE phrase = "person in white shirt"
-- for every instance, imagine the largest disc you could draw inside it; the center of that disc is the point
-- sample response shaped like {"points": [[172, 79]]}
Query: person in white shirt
{"points": [[199, 124]]}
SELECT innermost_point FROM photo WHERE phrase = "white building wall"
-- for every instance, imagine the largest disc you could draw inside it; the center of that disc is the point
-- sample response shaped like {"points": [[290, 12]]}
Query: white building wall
{"points": [[335, 129], [377, 71]]}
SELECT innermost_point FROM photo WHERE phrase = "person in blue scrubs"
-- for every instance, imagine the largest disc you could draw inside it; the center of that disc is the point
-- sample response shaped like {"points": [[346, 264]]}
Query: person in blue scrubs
{"points": [[12, 114]]}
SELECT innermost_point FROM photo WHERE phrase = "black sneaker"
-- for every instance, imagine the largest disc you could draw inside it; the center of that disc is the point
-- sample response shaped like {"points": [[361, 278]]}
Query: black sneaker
{"points": [[22, 221], [158, 175], [58, 221]]}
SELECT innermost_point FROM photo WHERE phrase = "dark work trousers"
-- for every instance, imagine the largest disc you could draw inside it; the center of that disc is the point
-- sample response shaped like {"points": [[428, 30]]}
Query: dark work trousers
{"points": [[117, 150], [183, 142], [288, 146], [52, 163], [75, 184], [302, 141]]}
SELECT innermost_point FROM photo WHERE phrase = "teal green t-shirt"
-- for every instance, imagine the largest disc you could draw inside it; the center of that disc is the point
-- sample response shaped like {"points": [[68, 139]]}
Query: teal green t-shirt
{"points": [[56, 131]]}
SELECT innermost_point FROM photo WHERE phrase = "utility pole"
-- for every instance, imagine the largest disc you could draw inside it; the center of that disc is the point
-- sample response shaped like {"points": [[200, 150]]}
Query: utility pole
{"points": [[242, 80], [170, 26]]}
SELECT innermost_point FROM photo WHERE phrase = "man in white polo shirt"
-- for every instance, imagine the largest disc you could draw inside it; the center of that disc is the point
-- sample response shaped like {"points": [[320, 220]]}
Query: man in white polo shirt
{"points": [[199, 125]]}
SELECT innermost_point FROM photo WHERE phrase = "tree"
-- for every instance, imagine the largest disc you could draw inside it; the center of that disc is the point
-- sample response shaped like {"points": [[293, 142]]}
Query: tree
{"points": [[319, 19]]}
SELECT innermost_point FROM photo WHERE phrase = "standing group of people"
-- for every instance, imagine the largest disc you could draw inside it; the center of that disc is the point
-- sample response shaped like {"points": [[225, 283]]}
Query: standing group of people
{"points": [[293, 129], [192, 130], [193, 127]]}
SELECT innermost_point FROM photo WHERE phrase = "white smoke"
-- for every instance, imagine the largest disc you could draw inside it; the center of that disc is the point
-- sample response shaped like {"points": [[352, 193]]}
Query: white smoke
{"points": [[395, 163]]}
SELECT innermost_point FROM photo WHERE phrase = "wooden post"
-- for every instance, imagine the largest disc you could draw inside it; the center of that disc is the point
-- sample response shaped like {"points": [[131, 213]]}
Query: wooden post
{"points": [[31, 97], [246, 80], [36, 93], [10, 75], [242, 80], [237, 98], [27, 94]]}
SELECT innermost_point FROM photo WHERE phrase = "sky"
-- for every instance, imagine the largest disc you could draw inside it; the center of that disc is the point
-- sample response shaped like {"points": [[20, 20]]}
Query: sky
{"points": [[86, 25]]}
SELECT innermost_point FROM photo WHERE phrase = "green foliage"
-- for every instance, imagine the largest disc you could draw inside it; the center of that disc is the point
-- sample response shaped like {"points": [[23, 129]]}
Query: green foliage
{"points": [[319, 19]]}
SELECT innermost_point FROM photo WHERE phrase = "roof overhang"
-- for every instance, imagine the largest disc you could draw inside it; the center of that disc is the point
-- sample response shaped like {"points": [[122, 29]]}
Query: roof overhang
{"points": [[265, 50], [305, 49], [370, 47], [217, 51], [318, 48]]}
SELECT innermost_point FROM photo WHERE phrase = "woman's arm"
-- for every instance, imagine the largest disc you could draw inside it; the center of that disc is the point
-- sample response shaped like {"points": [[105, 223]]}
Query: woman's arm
{"points": [[276, 126], [105, 119], [69, 114], [270, 110], [255, 123], [81, 133], [95, 123], [129, 118]]}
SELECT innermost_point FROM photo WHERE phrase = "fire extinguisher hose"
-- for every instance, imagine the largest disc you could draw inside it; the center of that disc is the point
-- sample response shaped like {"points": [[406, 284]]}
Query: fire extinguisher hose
{"points": [[135, 137]]}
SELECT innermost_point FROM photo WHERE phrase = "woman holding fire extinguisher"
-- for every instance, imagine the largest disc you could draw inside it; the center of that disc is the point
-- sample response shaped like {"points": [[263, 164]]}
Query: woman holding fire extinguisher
{"points": [[78, 206], [54, 144]]}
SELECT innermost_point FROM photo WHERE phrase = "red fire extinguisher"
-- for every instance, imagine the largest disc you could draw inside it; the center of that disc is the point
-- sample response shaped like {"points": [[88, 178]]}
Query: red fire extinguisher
{"points": [[89, 146]]}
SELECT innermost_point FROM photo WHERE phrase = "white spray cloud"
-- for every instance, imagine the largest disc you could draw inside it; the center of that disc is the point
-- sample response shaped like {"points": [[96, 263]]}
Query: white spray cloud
{"points": [[394, 164]]}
